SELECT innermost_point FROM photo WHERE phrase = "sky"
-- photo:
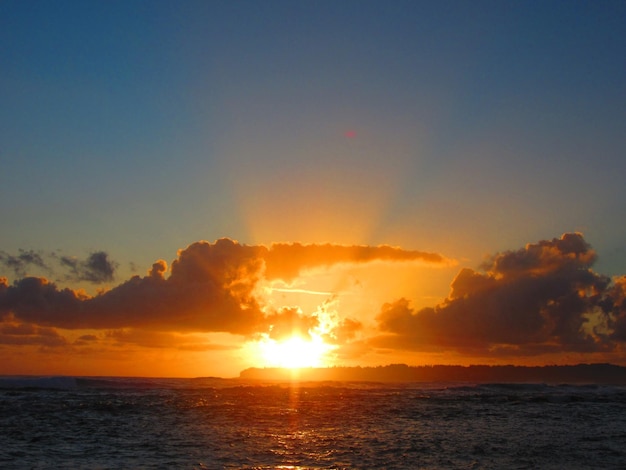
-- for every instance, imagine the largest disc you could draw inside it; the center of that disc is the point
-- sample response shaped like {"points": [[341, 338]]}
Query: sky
{"points": [[193, 188]]}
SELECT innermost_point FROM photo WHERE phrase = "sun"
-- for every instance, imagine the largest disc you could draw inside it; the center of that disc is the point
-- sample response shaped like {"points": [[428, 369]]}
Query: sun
{"points": [[294, 352]]}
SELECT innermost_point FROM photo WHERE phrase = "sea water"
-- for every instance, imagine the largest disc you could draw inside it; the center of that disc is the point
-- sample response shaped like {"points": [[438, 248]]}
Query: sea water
{"points": [[111, 423]]}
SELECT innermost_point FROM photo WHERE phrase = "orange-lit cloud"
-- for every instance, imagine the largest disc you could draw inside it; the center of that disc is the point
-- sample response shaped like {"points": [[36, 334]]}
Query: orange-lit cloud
{"points": [[13, 332], [162, 339], [211, 288], [290, 321], [540, 299], [286, 261], [344, 331]]}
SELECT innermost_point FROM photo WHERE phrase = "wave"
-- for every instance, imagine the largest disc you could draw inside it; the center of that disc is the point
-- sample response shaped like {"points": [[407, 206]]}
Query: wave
{"points": [[48, 383], [536, 393]]}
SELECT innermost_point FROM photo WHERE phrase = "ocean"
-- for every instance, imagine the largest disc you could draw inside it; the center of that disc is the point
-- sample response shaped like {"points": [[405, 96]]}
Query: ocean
{"points": [[137, 423]]}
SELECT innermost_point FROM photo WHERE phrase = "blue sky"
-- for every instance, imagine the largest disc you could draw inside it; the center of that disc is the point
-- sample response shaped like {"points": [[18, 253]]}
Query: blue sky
{"points": [[461, 128], [139, 127]]}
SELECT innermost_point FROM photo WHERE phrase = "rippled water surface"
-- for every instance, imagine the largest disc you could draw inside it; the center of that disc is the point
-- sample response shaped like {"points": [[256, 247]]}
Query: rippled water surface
{"points": [[203, 423]]}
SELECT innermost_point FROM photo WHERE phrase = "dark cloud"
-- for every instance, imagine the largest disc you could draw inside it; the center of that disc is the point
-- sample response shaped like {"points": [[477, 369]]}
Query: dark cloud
{"points": [[97, 268], [14, 332], [25, 259], [88, 338], [541, 298], [614, 306]]}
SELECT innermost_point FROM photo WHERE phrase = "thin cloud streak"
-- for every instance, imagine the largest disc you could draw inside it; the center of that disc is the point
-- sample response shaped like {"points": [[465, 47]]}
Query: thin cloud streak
{"points": [[300, 291]]}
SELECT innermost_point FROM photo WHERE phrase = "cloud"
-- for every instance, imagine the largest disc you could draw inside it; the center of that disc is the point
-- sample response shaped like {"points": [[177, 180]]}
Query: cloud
{"points": [[290, 321], [160, 339], [541, 298], [286, 261], [211, 288], [97, 268], [614, 306], [13, 332], [344, 331], [86, 340], [20, 263]]}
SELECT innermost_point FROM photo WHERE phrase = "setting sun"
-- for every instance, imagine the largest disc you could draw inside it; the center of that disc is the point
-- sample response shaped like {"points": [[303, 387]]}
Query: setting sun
{"points": [[294, 352]]}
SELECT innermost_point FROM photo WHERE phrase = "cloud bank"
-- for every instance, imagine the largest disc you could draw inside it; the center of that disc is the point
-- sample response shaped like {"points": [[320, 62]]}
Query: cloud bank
{"points": [[540, 299], [210, 288]]}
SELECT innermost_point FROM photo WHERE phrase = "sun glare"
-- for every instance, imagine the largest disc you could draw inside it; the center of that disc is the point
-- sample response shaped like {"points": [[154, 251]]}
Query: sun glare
{"points": [[294, 352]]}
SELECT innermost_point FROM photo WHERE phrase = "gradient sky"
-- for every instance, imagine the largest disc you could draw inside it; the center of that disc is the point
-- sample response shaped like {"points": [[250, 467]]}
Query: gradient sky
{"points": [[456, 132]]}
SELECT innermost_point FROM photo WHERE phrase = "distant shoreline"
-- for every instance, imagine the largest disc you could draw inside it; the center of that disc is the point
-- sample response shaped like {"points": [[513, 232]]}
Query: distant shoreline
{"points": [[579, 374], [608, 374]]}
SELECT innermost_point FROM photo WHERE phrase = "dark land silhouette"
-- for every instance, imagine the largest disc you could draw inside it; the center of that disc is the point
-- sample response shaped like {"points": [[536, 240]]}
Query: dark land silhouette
{"points": [[571, 374]]}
